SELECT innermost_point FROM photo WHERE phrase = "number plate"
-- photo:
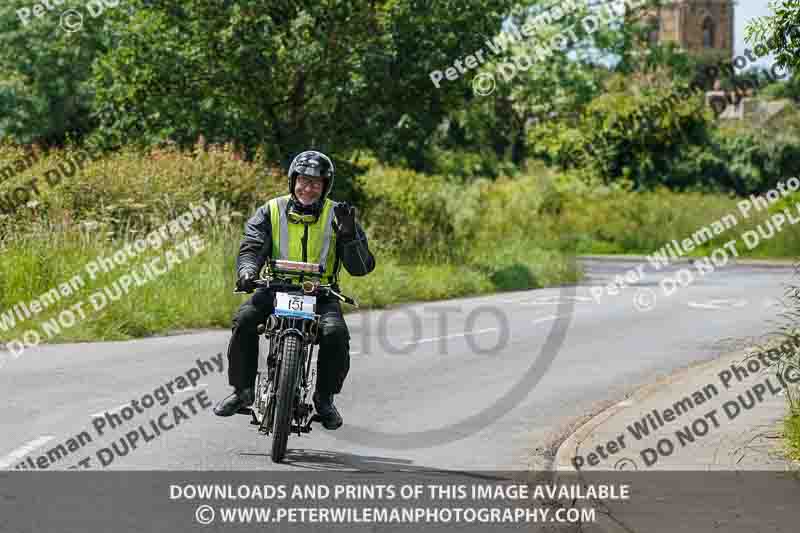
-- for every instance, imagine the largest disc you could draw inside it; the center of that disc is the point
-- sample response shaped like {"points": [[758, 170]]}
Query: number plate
{"points": [[296, 306]]}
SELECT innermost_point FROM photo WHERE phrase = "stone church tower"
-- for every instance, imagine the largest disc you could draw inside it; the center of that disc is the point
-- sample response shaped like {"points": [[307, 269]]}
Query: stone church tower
{"points": [[695, 25]]}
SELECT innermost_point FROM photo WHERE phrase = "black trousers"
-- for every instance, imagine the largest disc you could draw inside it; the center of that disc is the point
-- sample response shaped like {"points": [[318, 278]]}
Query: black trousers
{"points": [[333, 359]]}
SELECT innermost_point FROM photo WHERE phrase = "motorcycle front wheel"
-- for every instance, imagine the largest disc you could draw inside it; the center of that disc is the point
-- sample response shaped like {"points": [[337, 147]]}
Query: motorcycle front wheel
{"points": [[289, 373]]}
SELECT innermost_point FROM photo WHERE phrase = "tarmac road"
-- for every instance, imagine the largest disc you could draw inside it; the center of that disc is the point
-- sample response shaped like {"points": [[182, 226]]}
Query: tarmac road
{"points": [[445, 374]]}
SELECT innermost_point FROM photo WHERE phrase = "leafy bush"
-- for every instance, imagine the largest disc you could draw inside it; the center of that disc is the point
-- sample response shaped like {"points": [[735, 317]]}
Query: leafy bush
{"points": [[131, 189], [619, 221], [783, 89], [501, 229], [511, 209], [409, 211], [45, 92], [115, 198], [470, 164], [631, 133], [753, 158]]}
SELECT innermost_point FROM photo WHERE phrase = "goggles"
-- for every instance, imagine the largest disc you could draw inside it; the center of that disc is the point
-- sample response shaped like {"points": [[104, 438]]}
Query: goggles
{"points": [[300, 218]]}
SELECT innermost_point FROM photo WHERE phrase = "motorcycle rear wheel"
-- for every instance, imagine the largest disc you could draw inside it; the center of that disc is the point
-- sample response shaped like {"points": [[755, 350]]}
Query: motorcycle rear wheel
{"points": [[289, 373]]}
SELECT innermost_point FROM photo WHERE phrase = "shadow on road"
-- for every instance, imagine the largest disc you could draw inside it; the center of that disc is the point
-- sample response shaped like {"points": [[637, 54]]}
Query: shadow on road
{"points": [[325, 460], [329, 460]]}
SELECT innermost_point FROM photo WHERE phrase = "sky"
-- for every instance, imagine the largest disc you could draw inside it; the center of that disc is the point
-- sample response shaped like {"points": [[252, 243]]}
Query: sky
{"points": [[747, 10]]}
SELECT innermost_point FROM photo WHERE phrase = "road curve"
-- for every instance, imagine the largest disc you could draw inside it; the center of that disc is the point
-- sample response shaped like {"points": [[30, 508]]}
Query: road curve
{"points": [[415, 369]]}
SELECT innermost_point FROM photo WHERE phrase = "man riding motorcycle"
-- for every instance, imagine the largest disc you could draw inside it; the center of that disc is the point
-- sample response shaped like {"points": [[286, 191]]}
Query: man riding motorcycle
{"points": [[298, 227]]}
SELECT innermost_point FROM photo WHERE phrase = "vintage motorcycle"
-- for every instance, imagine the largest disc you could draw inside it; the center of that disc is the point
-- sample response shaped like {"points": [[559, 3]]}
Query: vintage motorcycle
{"points": [[282, 388]]}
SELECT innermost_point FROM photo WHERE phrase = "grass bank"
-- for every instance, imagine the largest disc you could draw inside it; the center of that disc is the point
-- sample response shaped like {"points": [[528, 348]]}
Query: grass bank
{"points": [[792, 433], [606, 221], [434, 237], [197, 292], [119, 198]]}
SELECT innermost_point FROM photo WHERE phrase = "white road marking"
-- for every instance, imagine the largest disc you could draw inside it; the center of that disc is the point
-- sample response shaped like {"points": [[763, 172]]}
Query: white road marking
{"points": [[718, 304], [625, 403], [464, 334], [556, 300], [515, 300], [480, 331], [532, 298], [544, 319], [24, 450], [114, 410], [696, 305], [124, 405]]}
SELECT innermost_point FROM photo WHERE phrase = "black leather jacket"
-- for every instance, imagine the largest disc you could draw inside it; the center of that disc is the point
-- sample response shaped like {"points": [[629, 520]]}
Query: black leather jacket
{"points": [[256, 247]]}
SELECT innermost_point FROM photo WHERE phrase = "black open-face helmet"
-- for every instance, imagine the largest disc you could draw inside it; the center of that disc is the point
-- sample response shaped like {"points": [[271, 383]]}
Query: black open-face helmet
{"points": [[311, 163]]}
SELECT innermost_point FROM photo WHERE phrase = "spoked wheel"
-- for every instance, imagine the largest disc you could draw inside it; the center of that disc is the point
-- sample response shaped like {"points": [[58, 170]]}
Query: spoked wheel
{"points": [[261, 404], [288, 374]]}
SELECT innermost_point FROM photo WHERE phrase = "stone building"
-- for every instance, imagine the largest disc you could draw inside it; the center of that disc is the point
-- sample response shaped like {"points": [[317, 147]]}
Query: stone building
{"points": [[695, 25]]}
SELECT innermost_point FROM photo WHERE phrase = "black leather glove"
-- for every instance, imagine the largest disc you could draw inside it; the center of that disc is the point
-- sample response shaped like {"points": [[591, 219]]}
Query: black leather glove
{"points": [[346, 220], [246, 281]]}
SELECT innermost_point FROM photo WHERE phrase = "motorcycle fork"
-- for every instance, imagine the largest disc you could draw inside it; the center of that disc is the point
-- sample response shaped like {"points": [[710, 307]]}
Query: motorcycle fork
{"points": [[303, 409]]}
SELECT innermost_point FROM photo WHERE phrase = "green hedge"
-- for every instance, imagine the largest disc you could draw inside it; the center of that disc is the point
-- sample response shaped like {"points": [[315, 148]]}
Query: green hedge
{"points": [[427, 233]]}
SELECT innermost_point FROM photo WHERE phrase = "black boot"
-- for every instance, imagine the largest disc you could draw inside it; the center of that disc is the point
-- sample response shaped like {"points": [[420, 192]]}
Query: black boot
{"points": [[238, 402], [323, 403]]}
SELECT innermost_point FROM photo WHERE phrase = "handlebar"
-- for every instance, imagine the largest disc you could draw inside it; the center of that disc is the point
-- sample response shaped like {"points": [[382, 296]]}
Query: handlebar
{"points": [[308, 287]]}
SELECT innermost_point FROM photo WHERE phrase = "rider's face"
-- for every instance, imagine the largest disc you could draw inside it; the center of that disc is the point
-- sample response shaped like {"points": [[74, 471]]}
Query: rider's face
{"points": [[308, 189]]}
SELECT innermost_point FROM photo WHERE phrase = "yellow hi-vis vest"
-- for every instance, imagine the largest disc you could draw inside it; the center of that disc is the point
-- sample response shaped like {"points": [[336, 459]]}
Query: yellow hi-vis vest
{"points": [[309, 242]]}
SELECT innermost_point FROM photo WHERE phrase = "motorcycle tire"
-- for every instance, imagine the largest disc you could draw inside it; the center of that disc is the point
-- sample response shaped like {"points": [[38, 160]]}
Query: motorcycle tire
{"points": [[289, 373]]}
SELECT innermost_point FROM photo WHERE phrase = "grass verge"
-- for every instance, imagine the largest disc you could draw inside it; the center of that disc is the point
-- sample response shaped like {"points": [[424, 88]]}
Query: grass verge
{"points": [[434, 237], [197, 291], [792, 432]]}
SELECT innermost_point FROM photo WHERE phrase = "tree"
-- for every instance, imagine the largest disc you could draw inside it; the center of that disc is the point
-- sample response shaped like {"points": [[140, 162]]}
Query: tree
{"points": [[45, 92], [779, 33], [553, 73], [285, 75]]}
